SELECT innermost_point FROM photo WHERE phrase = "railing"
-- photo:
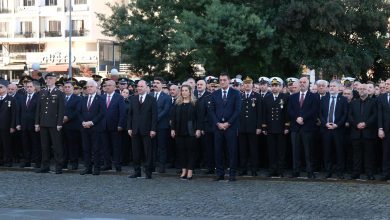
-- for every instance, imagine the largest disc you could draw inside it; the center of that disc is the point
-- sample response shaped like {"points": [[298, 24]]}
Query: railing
{"points": [[77, 33], [51, 34], [25, 34], [5, 11]]}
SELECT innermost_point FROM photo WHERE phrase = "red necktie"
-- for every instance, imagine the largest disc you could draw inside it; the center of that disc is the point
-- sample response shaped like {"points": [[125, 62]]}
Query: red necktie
{"points": [[108, 100], [28, 100], [302, 99]]}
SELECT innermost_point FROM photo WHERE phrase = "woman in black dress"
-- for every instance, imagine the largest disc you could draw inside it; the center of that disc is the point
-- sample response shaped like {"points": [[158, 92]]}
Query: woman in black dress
{"points": [[184, 130], [126, 141]]}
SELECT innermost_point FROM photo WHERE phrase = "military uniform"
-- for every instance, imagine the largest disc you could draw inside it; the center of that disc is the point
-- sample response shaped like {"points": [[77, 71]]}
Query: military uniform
{"points": [[8, 121], [50, 114], [275, 122], [250, 121]]}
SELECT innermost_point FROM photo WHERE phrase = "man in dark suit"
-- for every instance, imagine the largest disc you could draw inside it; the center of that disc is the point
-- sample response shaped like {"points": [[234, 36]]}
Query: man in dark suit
{"points": [[384, 129], [48, 120], [363, 120], [276, 125], [224, 112], [333, 115], [249, 129], [16, 137], [163, 111], [92, 116], [7, 123], [115, 122], [31, 140], [142, 126], [72, 127], [204, 125], [303, 110]]}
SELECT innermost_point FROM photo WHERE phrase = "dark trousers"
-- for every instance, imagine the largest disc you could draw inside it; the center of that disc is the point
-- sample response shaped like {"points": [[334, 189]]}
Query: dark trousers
{"points": [[363, 153], [229, 137], [302, 140], [248, 149], [5, 143], [17, 145], [92, 149], [72, 145], [142, 145], [317, 151], [127, 155], [51, 138], [333, 145], [31, 147], [112, 148], [386, 155], [276, 152], [187, 150], [207, 141], [160, 150]]}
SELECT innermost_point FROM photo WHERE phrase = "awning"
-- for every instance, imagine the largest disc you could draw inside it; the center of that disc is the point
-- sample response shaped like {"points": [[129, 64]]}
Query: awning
{"points": [[57, 68]]}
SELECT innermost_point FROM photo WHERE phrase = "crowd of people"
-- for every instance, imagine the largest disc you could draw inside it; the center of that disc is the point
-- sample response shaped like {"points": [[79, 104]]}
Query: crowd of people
{"points": [[217, 124]]}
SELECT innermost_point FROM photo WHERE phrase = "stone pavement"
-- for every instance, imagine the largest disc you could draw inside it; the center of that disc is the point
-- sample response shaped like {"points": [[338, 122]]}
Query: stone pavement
{"points": [[167, 197]]}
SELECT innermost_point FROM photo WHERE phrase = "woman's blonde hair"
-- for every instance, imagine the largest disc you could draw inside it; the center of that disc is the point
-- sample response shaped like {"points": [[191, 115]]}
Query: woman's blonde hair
{"points": [[180, 99]]}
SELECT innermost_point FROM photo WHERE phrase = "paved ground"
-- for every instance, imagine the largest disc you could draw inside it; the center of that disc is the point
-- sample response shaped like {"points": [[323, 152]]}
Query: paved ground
{"points": [[26, 195]]}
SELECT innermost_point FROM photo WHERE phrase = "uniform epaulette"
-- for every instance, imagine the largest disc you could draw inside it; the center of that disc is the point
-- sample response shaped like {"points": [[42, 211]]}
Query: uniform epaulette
{"points": [[264, 125]]}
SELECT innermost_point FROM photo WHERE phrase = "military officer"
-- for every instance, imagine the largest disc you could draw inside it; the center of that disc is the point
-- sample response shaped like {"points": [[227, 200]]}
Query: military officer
{"points": [[250, 127], [275, 125], [48, 120]]}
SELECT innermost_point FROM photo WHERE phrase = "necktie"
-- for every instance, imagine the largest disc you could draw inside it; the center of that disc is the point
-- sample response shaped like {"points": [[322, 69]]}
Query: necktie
{"points": [[331, 111], [140, 99], [302, 99], [28, 100], [108, 100], [262, 95], [155, 95], [388, 98], [275, 98], [89, 102], [247, 95], [1, 98], [224, 98], [66, 99], [199, 94]]}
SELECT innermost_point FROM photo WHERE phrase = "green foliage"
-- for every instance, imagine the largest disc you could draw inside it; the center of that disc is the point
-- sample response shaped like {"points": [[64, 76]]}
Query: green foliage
{"points": [[262, 37]]}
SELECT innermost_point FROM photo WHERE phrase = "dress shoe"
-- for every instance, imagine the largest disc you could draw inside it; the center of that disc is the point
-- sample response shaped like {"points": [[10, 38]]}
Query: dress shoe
{"points": [[96, 170], [328, 175], [271, 174], [243, 173], [106, 168], [209, 171], [65, 166], [135, 175], [311, 175], [118, 169], [86, 171], [340, 176], [189, 178], [370, 177], [22, 165], [232, 179], [384, 178], [43, 170], [253, 173], [183, 177], [148, 175], [218, 178], [37, 165], [355, 176], [295, 175]]}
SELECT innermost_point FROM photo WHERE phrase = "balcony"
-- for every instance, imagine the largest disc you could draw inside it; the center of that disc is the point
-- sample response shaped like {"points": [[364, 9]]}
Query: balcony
{"points": [[49, 9], [25, 34], [51, 34], [77, 33]]}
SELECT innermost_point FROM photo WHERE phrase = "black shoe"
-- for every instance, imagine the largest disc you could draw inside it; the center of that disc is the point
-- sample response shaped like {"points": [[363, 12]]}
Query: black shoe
{"points": [[232, 179], [135, 175], [370, 177], [189, 178], [161, 170], [106, 168], [243, 173], [271, 174], [22, 165], [384, 178], [340, 176], [183, 177], [65, 166], [58, 171], [328, 175], [218, 178], [86, 171], [37, 165], [295, 175], [148, 175], [118, 169], [253, 173], [311, 175], [43, 170], [355, 177], [209, 171]]}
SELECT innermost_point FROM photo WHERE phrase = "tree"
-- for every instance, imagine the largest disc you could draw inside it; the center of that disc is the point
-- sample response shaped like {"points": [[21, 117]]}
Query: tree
{"points": [[262, 37]]}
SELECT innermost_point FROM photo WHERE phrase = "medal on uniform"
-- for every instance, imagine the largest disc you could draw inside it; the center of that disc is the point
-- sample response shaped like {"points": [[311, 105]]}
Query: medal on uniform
{"points": [[9, 104], [281, 103], [253, 102]]}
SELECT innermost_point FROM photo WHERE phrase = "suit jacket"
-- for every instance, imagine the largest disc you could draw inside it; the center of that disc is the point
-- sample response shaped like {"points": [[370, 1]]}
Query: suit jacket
{"points": [[7, 113], [142, 118], [275, 115], [309, 111], [71, 111], [115, 115], [96, 113], [164, 103], [50, 108], [251, 113], [176, 119], [340, 112], [383, 113], [221, 112], [27, 113], [369, 116], [202, 106]]}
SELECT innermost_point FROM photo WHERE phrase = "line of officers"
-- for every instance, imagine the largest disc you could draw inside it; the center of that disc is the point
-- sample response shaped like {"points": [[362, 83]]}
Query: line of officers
{"points": [[330, 126]]}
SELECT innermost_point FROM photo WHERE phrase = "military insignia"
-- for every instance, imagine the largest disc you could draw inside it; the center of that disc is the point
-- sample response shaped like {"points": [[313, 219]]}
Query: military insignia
{"points": [[281, 103], [9, 104], [253, 102]]}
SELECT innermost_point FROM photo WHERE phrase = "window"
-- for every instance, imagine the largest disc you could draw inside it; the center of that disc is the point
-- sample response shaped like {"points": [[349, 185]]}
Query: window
{"points": [[28, 2], [80, 2], [4, 6], [3, 29], [55, 26], [50, 2], [78, 25], [26, 27]]}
